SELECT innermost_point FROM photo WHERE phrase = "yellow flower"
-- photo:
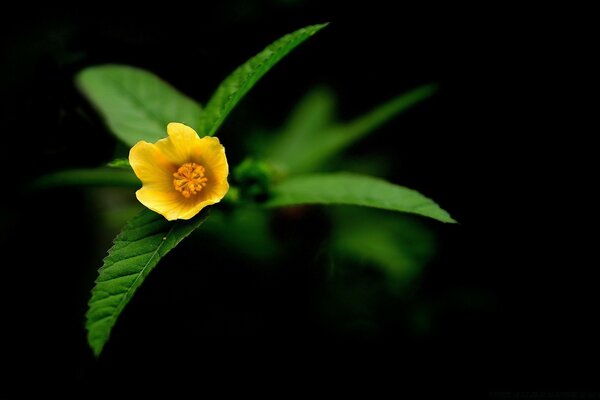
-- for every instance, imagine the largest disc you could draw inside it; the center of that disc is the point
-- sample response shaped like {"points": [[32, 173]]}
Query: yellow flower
{"points": [[180, 174]]}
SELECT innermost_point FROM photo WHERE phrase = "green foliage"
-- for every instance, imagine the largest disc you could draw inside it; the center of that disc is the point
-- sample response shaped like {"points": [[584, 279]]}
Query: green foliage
{"points": [[310, 139], [343, 188], [88, 177], [310, 118], [137, 249], [119, 163], [244, 230], [254, 178], [136, 104], [399, 246], [236, 85]]}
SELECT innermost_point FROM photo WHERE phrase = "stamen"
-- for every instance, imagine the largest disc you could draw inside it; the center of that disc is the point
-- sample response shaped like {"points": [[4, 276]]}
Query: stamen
{"points": [[189, 179]]}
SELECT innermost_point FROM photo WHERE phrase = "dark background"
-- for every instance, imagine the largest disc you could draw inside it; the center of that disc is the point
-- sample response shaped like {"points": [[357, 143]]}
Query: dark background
{"points": [[512, 291]]}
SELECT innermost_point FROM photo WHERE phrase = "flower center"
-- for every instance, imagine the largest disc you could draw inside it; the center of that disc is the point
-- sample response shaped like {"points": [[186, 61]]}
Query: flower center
{"points": [[189, 179]]}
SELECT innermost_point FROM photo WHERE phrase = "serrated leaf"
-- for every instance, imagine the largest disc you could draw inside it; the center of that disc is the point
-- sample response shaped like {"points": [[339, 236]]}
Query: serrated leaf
{"points": [[136, 104], [87, 177], [351, 189], [137, 249], [236, 85], [314, 152], [310, 118]]}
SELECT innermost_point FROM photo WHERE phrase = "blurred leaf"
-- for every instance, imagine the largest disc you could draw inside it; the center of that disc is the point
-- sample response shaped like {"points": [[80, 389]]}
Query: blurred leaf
{"points": [[344, 188], [119, 163], [136, 251], [374, 164], [253, 177], [88, 177], [236, 85], [136, 104], [245, 230], [311, 116], [398, 245], [308, 155]]}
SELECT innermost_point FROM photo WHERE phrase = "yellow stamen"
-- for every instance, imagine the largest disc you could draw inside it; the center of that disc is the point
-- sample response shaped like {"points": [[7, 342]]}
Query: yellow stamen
{"points": [[189, 179]]}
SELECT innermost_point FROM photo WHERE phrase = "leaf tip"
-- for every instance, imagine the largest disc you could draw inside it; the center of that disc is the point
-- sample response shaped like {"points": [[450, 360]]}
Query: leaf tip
{"points": [[450, 220], [97, 351], [316, 28], [443, 216], [96, 345], [425, 91]]}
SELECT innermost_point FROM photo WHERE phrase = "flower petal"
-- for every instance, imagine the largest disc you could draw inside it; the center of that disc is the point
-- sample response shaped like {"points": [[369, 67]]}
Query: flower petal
{"points": [[178, 146], [151, 166], [190, 211], [167, 203], [216, 191], [172, 205], [210, 153]]}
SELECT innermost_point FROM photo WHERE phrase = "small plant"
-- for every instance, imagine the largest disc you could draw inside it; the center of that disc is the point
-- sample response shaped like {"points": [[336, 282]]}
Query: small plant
{"points": [[185, 174]]}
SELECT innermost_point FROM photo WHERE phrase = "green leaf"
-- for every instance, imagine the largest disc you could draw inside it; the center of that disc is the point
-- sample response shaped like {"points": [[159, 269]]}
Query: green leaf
{"points": [[243, 229], [88, 177], [397, 245], [311, 117], [136, 104], [359, 190], [137, 249], [329, 142], [119, 163], [236, 85]]}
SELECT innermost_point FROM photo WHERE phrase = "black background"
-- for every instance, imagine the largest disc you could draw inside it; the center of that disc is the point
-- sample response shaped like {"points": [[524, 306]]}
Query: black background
{"points": [[491, 147]]}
